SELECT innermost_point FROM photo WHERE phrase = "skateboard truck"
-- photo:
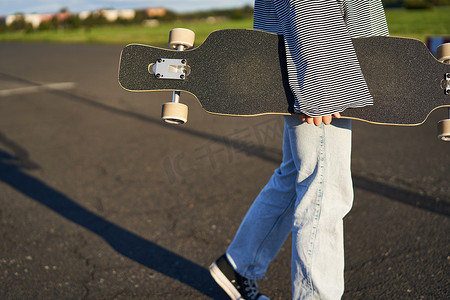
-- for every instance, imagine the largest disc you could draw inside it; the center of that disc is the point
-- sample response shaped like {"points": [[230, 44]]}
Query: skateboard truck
{"points": [[180, 39], [169, 68], [443, 55]]}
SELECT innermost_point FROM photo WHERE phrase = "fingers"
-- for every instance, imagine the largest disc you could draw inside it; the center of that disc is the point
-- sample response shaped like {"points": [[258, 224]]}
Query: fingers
{"points": [[318, 120], [327, 119], [310, 120]]}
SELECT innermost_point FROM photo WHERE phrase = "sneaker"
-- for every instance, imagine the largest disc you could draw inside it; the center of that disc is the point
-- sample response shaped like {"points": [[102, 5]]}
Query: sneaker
{"points": [[235, 285]]}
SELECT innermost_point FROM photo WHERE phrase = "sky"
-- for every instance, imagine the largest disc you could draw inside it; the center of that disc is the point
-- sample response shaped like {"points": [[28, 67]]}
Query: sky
{"points": [[49, 6]]}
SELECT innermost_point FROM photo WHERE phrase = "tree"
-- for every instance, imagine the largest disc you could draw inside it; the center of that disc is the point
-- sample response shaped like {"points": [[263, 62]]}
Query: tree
{"points": [[392, 3], [72, 22], [18, 24], [418, 4]]}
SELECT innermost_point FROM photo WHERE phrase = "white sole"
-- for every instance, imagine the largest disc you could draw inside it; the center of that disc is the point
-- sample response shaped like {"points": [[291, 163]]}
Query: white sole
{"points": [[223, 282]]}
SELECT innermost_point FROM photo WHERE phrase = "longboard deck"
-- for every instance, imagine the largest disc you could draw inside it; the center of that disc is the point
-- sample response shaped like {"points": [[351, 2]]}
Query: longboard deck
{"points": [[243, 73]]}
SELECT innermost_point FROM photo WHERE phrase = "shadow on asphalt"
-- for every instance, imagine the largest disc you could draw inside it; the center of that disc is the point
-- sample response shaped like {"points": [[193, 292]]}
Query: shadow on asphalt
{"points": [[440, 206], [138, 249], [123, 241]]}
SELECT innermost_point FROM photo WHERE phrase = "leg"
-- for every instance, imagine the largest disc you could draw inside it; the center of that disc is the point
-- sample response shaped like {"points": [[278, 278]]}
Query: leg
{"points": [[314, 184], [268, 221], [324, 196]]}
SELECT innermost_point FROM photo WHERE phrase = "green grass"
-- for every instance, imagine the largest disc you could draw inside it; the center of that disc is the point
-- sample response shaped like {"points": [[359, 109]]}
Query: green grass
{"points": [[419, 24], [407, 23], [125, 34]]}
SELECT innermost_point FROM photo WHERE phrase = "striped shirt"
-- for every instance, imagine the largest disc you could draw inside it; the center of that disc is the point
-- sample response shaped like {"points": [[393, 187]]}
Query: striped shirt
{"points": [[323, 70]]}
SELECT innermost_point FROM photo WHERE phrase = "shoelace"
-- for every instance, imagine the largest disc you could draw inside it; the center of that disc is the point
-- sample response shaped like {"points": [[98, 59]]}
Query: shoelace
{"points": [[251, 288]]}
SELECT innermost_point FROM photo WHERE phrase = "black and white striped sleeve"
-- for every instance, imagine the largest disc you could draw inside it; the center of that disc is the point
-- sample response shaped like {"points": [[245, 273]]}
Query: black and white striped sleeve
{"points": [[324, 72]]}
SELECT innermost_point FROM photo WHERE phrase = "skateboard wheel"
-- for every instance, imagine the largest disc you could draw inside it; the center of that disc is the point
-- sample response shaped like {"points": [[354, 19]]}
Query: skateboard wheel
{"points": [[443, 52], [174, 113], [444, 130], [181, 36]]}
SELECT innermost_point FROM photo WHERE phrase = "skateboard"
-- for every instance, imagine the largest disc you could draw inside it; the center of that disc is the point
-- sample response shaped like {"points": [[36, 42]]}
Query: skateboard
{"points": [[242, 72]]}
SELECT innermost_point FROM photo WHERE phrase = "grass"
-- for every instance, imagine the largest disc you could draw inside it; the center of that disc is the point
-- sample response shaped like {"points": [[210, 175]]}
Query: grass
{"points": [[116, 34], [407, 23], [419, 24]]}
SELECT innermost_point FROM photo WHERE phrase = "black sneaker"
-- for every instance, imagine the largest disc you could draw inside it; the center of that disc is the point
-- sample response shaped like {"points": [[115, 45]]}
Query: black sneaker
{"points": [[236, 286]]}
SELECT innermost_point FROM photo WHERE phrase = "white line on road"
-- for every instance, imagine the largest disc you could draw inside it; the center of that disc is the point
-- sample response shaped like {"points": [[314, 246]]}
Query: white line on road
{"points": [[38, 88]]}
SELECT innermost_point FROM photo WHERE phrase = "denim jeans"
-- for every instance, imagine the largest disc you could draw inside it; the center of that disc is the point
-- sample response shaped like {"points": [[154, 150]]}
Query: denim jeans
{"points": [[308, 195]]}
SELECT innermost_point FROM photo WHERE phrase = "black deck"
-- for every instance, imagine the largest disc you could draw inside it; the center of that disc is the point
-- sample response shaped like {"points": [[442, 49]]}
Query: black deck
{"points": [[243, 72]]}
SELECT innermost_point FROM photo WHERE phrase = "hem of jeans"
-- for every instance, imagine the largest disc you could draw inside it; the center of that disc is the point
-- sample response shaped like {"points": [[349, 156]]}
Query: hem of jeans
{"points": [[253, 277], [234, 266]]}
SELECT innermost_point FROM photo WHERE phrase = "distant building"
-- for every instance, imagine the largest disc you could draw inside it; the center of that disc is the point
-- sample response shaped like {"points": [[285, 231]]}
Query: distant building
{"points": [[36, 19], [127, 14], [12, 18], [155, 12], [47, 17], [33, 19], [84, 15], [112, 15], [62, 16]]}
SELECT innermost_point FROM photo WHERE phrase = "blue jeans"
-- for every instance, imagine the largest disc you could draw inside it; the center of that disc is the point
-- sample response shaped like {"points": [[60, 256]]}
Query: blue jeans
{"points": [[308, 195]]}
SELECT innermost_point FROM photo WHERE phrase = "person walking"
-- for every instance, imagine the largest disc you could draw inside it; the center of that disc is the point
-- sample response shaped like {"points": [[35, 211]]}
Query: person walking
{"points": [[311, 191]]}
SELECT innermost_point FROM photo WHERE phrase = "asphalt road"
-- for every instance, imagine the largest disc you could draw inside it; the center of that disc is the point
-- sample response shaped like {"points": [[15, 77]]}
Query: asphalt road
{"points": [[101, 200]]}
